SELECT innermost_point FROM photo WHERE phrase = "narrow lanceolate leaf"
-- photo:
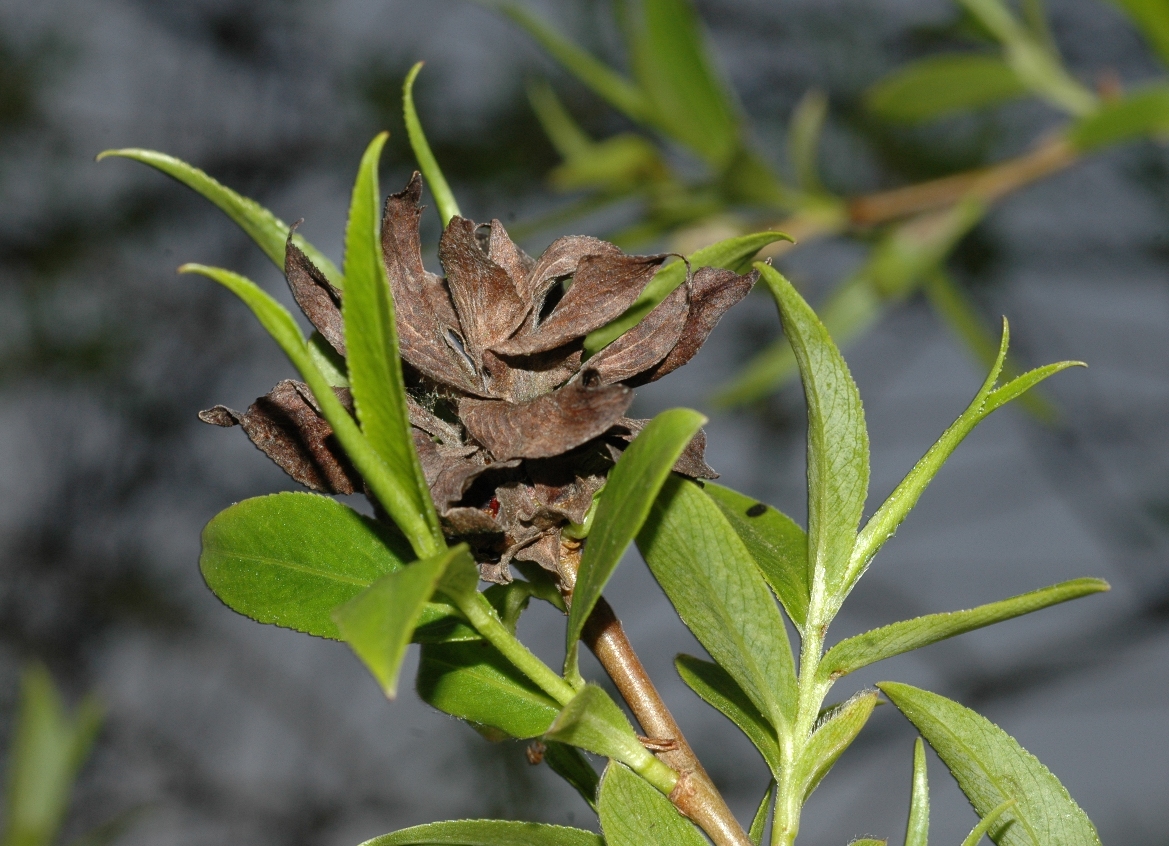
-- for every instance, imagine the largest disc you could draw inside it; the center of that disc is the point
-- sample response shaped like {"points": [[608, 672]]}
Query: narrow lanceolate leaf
{"points": [[868, 648], [623, 505], [718, 591], [634, 814], [758, 830], [732, 254], [991, 767], [917, 829], [835, 733], [803, 139], [838, 443], [290, 558], [375, 368], [593, 722], [675, 70], [268, 231], [379, 622], [894, 510], [474, 682], [387, 486], [444, 198], [718, 689], [943, 85], [1152, 18], [488, 833], [570, 764], [1143, 113], [778, 545], [47, 749], [984, 825]]}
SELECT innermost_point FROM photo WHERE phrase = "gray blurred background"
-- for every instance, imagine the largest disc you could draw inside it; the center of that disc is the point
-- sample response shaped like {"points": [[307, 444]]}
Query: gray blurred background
{"points": [[232, 732]]}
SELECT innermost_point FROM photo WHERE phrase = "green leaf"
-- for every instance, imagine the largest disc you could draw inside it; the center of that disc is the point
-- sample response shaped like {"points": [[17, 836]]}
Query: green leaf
{"points": [[675, 71], [838, 445], [570, 764], [622, 507], [977, 833], [560, 127], [894, 510], [290, 558], [618, 91], [778, 545], [268, 231], [917, 829], [593, 722], [617, 165], [444, 199], [718, 591], [732, 253], [991, 767], [803, 139], [375, 368], [1144, 113], [379, 622], [47, 749], [385, 485], [474, 682], [758, 828], [877, 645], [634, 814], [835, 732], [328, 361], [1152, 19], [716, 688], [488, 833], [941, 85]]}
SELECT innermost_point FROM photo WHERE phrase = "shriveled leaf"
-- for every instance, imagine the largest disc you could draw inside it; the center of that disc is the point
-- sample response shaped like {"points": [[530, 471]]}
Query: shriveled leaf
{"points": [[268, 231], [1152, 19], [984, 825], [570, 764], [778, 545], [593, 722], [444, 199], [375, 368], [49, 745], [488, 833], [634, 814], [1143, 113], [917, 829], [290, 558], [716, 588], [716, 687], [732, 254], [379, 622], [868, 648], [838, 443], [758, 829], [991, 768], [474, 682], [644, 346], [836, 731], [317, 297], [897, 506], [623, 506], [675, 70], [941, 85]]}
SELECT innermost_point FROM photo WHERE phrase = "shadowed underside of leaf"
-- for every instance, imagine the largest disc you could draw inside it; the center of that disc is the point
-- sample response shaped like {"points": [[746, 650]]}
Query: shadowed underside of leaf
{"points": [[634, 814]]}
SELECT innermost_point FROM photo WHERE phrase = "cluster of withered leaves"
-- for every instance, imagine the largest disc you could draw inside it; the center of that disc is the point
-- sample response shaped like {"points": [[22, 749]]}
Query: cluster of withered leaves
{"points": [[515, 432]]}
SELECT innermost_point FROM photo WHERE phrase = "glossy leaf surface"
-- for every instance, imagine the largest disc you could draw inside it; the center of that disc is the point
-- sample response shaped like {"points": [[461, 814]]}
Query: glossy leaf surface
{"points": [[623, 505], [375, 368], [290, 558], [716, 688], [778, 545], [593, 722], [379, 622], [917, 829], [838, 443], [488, 833], [634, 814], [941, 85], [991, 767], [268, 231], [718, 591], [876, 645], [732, 254], [836, 731], [444, 198]]}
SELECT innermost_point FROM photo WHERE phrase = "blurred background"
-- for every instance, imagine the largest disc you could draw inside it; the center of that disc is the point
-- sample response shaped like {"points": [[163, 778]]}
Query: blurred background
{"points": [[221, 730]]}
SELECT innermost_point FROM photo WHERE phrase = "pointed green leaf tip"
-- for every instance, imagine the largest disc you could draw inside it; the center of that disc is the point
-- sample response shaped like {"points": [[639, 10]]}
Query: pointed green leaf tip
{"points": [[917, 829], [444, 199]]}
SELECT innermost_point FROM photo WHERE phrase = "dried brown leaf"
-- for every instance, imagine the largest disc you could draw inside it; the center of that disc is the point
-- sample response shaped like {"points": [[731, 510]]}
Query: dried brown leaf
{"points": [[647, 343], [316, 296], [691, 463]]}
